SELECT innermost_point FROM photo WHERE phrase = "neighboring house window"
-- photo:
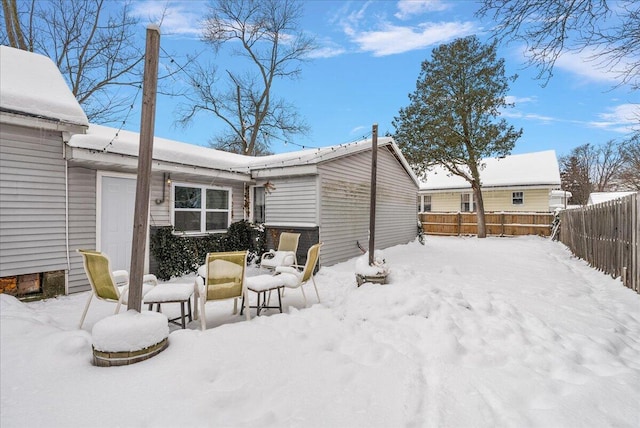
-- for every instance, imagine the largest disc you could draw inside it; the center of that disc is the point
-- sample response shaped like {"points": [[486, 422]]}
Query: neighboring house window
{"points": [[517, 198], [426, 203], [258, 205], [201, 208], [466, 203]]}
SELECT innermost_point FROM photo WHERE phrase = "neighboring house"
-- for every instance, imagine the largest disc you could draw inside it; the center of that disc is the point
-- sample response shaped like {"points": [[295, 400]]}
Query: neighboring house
{"points": [[516, 183], [599, 197], [67, 185], [38, 113]]}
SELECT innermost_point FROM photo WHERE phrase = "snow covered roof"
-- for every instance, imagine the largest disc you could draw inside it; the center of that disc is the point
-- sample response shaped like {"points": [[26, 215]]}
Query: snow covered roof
{"points": [[324, 154], [31, 85], [599, 197], [530, 169], [101, 139], [314, 156]]}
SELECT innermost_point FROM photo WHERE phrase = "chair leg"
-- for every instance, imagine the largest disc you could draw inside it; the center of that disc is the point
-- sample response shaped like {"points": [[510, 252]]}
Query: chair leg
{"points": [[245, 299], [195, 305], [316, 287], [86, 308], [304, 296], [203, 315], [235, 306]]}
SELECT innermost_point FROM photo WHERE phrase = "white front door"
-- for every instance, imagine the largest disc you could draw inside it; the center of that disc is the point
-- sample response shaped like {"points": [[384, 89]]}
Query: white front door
{"points": [[117, 206]]}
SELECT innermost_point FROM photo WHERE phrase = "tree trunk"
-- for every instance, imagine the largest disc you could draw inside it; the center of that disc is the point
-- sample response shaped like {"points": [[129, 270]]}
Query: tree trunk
{"points": [[482, 229]]}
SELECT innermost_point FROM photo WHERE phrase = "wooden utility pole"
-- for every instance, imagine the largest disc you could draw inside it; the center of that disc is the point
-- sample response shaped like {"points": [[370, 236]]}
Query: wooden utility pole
{"points": [[145, 156], [372, 206]]}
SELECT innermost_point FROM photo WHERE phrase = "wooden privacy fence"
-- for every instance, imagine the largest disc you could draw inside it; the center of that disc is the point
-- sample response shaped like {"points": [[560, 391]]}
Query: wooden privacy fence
{"points": [[606, 236], [497, 223]]}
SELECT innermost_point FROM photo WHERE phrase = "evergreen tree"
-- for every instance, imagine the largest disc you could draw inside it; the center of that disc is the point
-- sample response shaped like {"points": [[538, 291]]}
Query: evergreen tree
{"points": [[452, 116]]}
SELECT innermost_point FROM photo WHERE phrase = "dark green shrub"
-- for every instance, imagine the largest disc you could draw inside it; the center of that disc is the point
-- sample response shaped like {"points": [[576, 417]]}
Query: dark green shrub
{"points": [[178, 255]]}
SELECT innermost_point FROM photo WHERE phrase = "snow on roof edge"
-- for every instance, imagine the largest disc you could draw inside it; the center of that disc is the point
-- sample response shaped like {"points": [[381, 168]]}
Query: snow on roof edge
{"points": [[31, 85], [105, 139], [526, 169]]}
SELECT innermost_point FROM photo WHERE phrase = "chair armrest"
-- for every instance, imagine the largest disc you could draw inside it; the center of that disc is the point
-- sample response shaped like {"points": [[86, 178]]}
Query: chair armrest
{"points": [[288, 269], [121, 277], [150, 279], [199, 286]]}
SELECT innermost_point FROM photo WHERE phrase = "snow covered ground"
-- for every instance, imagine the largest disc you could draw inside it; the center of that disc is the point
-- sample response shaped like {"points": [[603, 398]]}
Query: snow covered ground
{"points": [[499, 332]]}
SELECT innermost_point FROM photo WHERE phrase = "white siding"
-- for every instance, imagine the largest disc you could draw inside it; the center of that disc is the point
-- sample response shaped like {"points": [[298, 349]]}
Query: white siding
{"points": [[292, 200], [345, 196], [32, 201]]}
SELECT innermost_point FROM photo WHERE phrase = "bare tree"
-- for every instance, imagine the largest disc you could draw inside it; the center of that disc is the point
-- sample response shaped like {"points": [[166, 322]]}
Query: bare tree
{"points": [[629, 175], [266, 35], [574, 176], [551, 27], [600, 168], [95, 49]]}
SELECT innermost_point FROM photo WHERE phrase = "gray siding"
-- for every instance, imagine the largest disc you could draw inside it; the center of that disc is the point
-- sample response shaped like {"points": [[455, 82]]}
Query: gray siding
{"points": [[82, 223], [345, 195], [293, 200], [32, 201], [159, 214], [82, 213]]}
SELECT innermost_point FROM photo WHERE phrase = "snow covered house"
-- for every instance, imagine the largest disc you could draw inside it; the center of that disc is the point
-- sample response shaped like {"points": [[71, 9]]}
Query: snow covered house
{"points": [[323, 194], [38, 114], [89, 175], [516, 183], [600, 197]]}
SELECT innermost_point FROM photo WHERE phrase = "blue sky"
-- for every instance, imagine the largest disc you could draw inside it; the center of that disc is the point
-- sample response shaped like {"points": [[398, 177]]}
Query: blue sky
{"points": [[368, 62]]}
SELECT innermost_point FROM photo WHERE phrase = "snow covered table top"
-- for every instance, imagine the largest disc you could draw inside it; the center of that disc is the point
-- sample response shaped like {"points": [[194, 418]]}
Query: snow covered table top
{"points": [[169, 292], [264, 282]]}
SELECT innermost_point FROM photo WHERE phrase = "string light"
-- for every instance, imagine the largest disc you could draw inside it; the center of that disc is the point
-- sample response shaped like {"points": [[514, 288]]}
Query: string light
{"points": [[319, 155], [133, 103]]}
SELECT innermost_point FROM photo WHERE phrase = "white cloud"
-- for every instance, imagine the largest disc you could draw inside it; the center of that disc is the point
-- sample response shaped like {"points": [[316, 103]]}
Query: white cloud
{"points": [[591, 65], [392, 39], [180, 17], [358, 130], [623, 118], [511, 99], [327, 52], [408, 8]]}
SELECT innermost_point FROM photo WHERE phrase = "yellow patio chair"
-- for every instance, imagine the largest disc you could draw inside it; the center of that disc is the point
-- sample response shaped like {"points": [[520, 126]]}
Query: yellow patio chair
{"points": [[285, 255], [107, 285], [296, 276], [223, 279]]}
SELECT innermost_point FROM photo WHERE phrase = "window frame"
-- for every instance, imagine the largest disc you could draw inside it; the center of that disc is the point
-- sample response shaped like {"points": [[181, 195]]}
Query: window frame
{"points": [[203, 207], [514, 198], [252, 204], [423, 203], [470, 201]]}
